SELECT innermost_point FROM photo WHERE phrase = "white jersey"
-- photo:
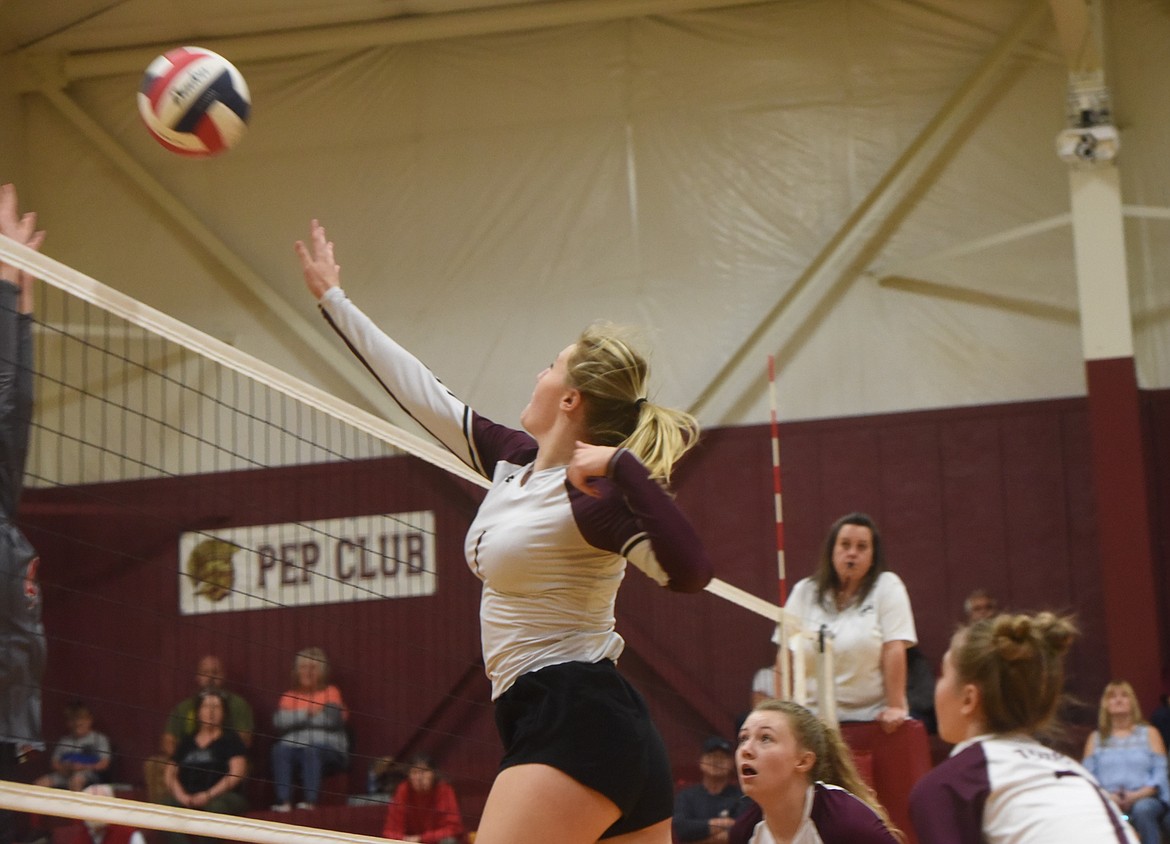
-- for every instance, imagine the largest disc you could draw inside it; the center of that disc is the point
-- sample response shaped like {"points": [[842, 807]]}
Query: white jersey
{"points": [[832, 815], [1013, 790], [550, 557], [858, 632]]}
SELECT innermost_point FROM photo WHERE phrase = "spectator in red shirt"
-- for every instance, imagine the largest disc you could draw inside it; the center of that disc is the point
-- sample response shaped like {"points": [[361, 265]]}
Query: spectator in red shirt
{"points": [[424, 807]]}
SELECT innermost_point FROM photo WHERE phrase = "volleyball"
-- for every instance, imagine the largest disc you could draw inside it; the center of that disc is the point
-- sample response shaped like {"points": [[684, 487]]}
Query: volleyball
{"points": [[194, 102]]}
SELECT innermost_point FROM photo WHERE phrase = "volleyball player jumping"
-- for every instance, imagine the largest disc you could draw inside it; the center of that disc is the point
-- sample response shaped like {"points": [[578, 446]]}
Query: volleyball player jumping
{"points": [[574, 496]]}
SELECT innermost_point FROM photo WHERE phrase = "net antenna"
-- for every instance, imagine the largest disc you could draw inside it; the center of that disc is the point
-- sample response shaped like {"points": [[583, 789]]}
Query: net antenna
{"points": [[783, 680], [791, 681]]}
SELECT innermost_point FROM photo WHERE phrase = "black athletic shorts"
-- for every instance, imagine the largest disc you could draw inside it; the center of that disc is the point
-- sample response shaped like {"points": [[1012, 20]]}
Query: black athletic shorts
{"points": [[587, 721]]}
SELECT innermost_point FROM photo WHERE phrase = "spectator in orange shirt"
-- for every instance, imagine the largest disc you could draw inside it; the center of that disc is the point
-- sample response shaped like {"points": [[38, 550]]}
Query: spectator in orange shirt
{"points": [[310, 721], [424, 807]]}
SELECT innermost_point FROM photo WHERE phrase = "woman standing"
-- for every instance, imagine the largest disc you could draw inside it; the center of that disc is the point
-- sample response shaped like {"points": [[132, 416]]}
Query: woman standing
{"points": [[1128, 758], [208, 766], [310, 720], [866, 610], [1001, 683], [574, 496], [801, 775]]}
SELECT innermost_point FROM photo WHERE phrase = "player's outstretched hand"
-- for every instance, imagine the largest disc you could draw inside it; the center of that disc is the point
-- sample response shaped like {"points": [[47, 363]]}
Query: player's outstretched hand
{"points": [[322, 272], [588, 462], [22, 229]]}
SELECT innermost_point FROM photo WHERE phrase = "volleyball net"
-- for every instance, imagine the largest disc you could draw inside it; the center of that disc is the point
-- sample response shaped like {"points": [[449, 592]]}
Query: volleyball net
{"points": [[188, 499]]}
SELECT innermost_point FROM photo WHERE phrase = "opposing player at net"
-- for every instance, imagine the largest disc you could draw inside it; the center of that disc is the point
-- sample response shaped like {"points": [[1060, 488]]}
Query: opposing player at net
{"points": [[22, 636], [574, 495]]}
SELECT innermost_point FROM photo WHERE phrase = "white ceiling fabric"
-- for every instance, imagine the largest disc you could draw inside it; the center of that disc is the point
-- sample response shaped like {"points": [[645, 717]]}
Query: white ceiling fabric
{"points": [[490, 195]]}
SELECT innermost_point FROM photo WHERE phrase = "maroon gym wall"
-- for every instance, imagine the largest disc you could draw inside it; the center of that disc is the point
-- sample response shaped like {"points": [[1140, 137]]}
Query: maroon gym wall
{"points": [[997, 496]]}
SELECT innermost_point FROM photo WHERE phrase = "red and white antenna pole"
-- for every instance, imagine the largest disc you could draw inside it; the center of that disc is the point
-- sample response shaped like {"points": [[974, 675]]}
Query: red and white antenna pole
{"points": [[776, 486], [784, 689]]}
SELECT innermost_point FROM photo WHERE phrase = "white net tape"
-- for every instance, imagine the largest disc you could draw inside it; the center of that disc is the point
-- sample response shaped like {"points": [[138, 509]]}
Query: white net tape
{"points": [[113, 810], [187, 422], [67, 279]]}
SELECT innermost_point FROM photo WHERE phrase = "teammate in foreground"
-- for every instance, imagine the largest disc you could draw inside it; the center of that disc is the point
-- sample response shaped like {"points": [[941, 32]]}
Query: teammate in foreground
{"points": [[1001, 683], [574, 496], [802, 776]]}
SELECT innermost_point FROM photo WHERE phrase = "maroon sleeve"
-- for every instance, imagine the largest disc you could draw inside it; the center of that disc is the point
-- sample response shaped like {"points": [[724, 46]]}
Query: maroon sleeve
{"points": [[745, 824], [675, 543], [634, 509], [841, 817], [946, 805], [494, 442]]}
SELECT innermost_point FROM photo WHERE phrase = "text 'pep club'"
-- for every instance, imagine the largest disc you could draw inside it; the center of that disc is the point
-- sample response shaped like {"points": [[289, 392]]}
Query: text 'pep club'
{"points": [[297, 564]]}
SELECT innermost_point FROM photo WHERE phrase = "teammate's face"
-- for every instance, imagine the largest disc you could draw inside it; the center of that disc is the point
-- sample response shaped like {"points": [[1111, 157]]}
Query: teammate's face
{"points": [[853, 553], [769, 759], [541, 413], [954, 701]]}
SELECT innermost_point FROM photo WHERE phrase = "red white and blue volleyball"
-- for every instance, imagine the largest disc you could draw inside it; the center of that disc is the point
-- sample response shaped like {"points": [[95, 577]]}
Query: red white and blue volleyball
{"points": [[194, 102]]}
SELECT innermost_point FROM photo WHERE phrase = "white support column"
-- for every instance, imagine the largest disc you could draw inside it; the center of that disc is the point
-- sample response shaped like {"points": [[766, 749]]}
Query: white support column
{"points": [[1102, 276], [1125, 542]]}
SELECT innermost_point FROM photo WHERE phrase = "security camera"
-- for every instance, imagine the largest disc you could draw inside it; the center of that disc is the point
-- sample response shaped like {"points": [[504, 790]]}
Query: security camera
{"points": [[1088, 145]]}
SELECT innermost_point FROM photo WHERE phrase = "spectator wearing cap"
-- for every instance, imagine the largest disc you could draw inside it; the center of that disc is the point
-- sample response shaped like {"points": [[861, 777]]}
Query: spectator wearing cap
{"points": [[705, 812]]}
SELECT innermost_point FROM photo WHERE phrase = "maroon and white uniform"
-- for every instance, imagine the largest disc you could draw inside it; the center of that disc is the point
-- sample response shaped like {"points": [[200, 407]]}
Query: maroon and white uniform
{"points": [[550, 557], [832, 816], [1013, 790]]}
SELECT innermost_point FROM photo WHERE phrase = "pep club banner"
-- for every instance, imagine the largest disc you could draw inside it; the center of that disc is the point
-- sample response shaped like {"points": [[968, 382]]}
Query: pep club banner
{"points": [[331, 561]]}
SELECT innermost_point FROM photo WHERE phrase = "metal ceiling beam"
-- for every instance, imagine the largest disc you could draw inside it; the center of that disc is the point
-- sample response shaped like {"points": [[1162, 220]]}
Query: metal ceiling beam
{"points": [[907, 266], [982, 299], [401, 30], [863, 233]]}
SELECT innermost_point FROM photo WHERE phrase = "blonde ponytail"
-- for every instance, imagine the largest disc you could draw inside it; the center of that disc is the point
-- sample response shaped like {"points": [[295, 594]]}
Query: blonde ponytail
{"points": [[612, 378]]}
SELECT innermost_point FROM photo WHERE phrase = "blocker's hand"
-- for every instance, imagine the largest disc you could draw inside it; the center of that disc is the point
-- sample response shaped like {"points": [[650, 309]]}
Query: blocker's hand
{"points": [[321, 271], [589, 461], [22, 229]]}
